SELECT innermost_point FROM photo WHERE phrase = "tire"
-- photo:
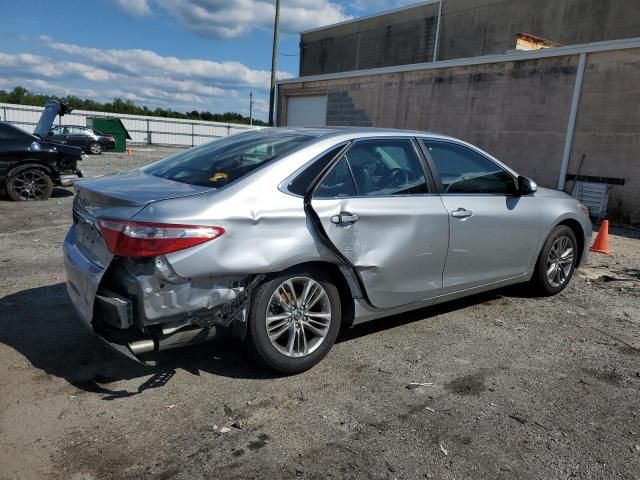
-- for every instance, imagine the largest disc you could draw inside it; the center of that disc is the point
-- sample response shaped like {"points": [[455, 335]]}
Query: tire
{"points": [[95, 148], [551, 281], [303, 352], [30, 184]]}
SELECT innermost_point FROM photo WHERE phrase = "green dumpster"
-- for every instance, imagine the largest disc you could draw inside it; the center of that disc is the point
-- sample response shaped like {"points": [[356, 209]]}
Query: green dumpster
{"points": [[112, 126]]}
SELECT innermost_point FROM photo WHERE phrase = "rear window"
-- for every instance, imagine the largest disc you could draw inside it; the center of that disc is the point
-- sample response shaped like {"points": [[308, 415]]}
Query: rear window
{"points": [[224, 161]]}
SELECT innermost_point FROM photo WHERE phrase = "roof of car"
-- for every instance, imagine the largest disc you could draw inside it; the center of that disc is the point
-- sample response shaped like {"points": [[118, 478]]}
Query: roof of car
{"points": [[359, 132]]}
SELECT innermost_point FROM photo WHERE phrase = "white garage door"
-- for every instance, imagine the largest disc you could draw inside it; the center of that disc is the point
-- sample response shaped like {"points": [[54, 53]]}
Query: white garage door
{"points": [[307, 111]]}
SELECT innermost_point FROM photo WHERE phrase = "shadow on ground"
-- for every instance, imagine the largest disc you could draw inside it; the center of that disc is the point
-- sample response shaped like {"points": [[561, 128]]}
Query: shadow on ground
{"points": [[41, 325]]}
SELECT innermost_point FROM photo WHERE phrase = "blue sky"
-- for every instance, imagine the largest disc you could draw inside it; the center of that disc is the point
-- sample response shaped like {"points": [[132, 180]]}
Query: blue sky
{"points": [[181, 54]]}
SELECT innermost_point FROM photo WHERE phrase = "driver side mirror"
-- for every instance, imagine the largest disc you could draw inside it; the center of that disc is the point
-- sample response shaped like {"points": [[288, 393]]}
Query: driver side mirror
{"points": [[526, 186]]}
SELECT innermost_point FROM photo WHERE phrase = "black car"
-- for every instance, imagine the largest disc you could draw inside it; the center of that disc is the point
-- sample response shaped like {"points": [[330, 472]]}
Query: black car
{"points": [[88, 139], [31, 166]]}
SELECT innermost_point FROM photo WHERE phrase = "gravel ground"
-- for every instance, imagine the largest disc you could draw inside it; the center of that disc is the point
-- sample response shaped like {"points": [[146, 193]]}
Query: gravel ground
{"points": [[517, 386]]}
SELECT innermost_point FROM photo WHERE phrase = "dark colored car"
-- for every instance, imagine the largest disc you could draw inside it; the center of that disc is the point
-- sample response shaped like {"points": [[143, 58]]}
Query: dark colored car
{"points": [[88, 139], [31, 166]]}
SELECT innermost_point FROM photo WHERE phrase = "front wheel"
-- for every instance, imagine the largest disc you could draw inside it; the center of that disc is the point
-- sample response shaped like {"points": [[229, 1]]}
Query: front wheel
{"points": [[294, 320], [95, 148], [31, 184], [557, 261]]}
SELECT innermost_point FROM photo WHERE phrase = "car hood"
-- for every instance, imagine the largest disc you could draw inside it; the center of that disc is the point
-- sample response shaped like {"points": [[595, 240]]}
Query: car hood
{"points": [[132, 188], [52, 109]]}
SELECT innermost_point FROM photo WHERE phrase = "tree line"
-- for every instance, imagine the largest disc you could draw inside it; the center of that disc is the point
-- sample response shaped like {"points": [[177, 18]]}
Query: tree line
{"points": [[22, 96]]}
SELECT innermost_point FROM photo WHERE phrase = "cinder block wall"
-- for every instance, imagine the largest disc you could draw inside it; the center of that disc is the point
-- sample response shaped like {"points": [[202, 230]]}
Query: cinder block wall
{"points": [[469, 28], [606, 141], [517, 111], [395, 39], [481, 27]]}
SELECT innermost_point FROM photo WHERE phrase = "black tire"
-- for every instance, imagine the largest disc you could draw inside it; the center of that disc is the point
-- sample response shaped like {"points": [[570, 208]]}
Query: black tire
{"points": [[257, 339], [30, 184], [541, 275], [95, 148]]}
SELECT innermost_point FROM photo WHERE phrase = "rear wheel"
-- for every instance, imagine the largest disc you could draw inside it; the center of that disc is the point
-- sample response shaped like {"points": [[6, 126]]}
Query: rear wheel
{"points": [[95, 148], [294, 320], [31, 184], [557, 261]]}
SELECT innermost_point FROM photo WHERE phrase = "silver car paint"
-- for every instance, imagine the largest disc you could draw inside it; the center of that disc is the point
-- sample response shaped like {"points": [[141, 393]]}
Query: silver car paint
{"points": [[267, 230], [403, 238]]}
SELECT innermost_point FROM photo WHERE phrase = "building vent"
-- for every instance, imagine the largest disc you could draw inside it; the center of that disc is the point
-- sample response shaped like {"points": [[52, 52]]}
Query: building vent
{"points": [[594, 196]]}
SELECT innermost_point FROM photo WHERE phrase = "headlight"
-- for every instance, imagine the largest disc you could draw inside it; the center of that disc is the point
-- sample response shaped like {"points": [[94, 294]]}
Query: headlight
{"points": [[35, 147], [585, 210]]}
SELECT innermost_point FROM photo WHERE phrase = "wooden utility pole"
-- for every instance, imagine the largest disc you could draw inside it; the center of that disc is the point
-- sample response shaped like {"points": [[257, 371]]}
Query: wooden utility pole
{"points": [[274, 62]]}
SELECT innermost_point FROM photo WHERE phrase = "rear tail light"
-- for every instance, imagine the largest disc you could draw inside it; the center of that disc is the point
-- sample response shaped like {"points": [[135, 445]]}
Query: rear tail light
{"points": [[145, 239]]}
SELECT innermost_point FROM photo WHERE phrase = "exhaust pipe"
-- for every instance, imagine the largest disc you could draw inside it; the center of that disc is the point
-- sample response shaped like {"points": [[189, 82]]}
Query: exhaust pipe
{"points": [[175, 340]]}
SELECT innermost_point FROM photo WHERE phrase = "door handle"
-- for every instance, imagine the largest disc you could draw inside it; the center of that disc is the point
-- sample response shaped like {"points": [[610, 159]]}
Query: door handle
{"points": [[345, 218], [461, 213]]}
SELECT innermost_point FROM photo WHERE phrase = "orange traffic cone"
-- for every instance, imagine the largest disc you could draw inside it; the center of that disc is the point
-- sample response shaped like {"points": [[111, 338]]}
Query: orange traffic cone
{"points": [[129, 152], [601, 245]]}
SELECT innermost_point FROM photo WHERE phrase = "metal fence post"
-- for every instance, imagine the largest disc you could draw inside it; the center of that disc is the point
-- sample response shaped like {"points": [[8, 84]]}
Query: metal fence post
{"points": [[148, 134], [228, 129], [4, 117], [192, 126], [575, 103]]}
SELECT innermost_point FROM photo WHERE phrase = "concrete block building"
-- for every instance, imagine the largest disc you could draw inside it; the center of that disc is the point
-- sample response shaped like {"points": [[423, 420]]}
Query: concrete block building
{"points": [[551, 87]]}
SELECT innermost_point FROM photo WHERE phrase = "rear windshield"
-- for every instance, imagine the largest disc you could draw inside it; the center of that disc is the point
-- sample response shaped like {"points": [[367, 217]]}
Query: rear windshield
{"points": [[223, 161]]}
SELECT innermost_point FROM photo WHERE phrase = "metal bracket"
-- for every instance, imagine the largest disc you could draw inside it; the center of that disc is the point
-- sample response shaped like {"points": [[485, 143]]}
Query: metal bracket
{"points": [[226, 315]]}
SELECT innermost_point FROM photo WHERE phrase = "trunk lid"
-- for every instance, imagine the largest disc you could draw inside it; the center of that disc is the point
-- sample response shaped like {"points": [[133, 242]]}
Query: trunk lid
{"points": [[52, 109], [131, 189], [122, 196]]}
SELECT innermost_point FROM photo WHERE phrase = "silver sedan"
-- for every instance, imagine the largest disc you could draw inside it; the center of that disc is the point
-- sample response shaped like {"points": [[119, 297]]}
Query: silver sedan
{"points": [[280, 237]]}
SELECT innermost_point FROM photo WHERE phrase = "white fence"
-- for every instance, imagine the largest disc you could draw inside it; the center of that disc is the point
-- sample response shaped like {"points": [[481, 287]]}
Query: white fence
{"points": [[150, 130]]}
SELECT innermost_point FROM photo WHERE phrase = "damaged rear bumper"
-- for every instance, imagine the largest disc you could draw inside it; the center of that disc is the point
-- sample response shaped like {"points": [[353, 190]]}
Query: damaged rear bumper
{"points": [[139, 307]]}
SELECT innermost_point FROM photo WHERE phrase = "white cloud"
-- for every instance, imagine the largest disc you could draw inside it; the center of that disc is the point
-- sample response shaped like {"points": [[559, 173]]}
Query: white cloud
{"points": [[234, 18], [379, 5], [138, 62], [139, 75], [42, 66], [135, 8]]}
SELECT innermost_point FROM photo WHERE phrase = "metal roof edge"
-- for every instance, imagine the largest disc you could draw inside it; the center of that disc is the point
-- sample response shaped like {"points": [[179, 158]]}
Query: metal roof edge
{"points": [[373, 15], [592, 47]]}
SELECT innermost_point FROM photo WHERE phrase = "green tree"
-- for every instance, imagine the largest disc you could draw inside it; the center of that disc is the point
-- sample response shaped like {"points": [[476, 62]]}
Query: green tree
{"points": [[22, 96]]}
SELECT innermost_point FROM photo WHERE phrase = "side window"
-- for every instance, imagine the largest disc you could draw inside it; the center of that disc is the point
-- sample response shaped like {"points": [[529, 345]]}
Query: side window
{"points": [[339, 182], [300, 184], [463, 170], [386, 167]]}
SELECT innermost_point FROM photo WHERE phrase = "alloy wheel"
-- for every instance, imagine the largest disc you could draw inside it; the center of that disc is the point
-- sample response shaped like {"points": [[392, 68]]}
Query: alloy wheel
{"points": [[298, 316], [95, 148], [560, 261], [30, 185]]}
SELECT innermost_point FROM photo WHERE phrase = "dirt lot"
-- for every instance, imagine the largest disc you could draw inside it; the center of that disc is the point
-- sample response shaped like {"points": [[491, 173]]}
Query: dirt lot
{"points": [[523, 387]]}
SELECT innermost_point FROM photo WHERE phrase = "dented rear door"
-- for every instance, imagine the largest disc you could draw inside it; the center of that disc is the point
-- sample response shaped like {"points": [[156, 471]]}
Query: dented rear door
{"points": [[396, 240]]}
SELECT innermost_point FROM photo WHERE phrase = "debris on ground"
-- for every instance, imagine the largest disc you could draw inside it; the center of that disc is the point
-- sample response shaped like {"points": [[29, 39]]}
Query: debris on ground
{"points": [[414, 385]]}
